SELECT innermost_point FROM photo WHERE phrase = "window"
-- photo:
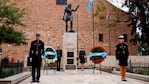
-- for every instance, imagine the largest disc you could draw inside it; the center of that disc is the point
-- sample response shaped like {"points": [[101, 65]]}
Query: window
{"points": [[100, 37], [61, 2], [125, 37]]}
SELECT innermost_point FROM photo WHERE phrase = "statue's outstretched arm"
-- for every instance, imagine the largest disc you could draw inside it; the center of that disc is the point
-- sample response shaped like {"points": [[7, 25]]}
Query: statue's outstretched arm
{"points": [[76, 8]]}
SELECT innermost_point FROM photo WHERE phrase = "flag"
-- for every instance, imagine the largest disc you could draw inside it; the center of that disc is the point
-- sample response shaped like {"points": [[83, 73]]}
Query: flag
{"points": [[89, 6], [108, 15]]}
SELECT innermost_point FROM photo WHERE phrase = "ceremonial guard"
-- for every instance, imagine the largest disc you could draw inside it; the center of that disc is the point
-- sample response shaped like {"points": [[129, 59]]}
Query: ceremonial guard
{"points": [[36, 52], [82, 59], [122, 54], [59, 55]]}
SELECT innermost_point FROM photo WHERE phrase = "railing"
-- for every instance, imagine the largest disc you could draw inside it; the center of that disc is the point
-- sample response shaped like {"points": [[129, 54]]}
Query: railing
{"points": [[139, 68], [10, 69]]}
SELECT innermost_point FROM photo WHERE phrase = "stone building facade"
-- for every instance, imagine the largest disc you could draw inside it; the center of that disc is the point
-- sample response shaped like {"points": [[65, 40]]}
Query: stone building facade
{"points": [[46, 16]]}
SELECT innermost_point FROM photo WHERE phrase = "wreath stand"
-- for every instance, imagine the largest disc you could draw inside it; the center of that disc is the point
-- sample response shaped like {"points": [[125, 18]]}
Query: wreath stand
{"points": [[97, 55], [45, 68], [94, 68], [52, 67]]}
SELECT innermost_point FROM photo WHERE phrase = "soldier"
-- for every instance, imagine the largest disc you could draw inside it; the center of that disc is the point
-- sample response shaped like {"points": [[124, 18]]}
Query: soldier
{"points": [[59, 55], [36, 51], [0, 53], [82, 59], [0, 60], [122, 54]]}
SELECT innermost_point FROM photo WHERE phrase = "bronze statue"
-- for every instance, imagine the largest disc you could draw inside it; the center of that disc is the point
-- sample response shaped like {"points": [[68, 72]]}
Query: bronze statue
{"points": [[68, 16]]}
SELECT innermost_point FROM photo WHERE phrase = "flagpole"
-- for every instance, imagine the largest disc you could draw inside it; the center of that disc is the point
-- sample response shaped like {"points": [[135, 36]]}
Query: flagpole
{"points": [[109, 30], [93, 32], [93, 23], [77, 41]]}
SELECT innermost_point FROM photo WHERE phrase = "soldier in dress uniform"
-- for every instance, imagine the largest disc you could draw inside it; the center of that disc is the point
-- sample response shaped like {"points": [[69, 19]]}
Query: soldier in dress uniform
{"points": [[36, 52], [122, 54], [59, 55], [82, 59]]}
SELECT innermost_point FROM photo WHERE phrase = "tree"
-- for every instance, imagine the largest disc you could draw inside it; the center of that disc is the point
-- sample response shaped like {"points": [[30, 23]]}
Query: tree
{"points": [[10, 18], [103, 10], [139, 12]]}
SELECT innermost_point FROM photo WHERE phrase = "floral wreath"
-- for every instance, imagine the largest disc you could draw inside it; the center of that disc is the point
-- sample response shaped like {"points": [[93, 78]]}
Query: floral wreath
{"points": [[97, 54], [50, 54]]}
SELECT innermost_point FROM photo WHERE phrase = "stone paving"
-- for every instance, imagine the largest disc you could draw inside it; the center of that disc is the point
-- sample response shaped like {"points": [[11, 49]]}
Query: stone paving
{"points": [[81, 77]]}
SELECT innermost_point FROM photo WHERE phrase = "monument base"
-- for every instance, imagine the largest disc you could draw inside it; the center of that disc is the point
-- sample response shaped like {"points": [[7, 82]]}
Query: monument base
{"points": [[72, 67], [70, 50]]}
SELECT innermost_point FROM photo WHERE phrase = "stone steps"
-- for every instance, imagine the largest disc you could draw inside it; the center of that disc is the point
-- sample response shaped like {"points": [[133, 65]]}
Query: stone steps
{"points": [[15, 78]]}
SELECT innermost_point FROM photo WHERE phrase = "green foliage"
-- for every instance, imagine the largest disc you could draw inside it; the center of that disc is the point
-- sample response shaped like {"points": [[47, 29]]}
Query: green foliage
{"points": [[96, 57], [102, 16], [9, 35], [10, 18], [7, 73], [139, 12], [114, 9], [50, 56], [97, 50], [101, 11]]}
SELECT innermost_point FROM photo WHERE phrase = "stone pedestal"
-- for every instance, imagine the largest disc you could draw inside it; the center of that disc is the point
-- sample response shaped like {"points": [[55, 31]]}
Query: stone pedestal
{"points": [[69, 50]]}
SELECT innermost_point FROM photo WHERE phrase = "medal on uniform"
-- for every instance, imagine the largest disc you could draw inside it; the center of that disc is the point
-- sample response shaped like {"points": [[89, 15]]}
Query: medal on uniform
{"points": [[37, 52], [123, 50], [32, 51], [37, 48]]}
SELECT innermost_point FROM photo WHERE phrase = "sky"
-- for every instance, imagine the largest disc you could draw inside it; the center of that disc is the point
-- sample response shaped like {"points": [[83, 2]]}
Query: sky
{"points": [[118, 4]]}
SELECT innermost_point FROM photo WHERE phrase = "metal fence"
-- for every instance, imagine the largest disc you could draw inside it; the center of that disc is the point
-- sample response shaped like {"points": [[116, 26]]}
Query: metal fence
{"points": [[10, 69], [139, 68]]}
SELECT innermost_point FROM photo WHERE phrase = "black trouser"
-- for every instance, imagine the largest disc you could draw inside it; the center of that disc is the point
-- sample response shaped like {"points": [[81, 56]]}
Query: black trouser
{"points": [[36, 64], [35, 73], [58, 64]]}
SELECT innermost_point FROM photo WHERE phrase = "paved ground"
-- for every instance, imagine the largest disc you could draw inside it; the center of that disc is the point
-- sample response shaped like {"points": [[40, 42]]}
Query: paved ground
{"points": [[81, 77]]}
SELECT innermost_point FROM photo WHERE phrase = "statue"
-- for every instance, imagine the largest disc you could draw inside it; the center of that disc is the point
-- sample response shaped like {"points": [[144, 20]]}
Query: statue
{"points": [[68, 16]]}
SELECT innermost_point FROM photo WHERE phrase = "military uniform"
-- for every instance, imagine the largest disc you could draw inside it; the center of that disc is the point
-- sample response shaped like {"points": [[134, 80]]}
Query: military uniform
{"points": [[59, 55], [122, 54], [81, 56], [36, 51]]}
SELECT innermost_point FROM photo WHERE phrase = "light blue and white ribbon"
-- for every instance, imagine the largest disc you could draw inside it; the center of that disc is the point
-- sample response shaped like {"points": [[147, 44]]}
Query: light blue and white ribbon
{"points": [[103, 54]]}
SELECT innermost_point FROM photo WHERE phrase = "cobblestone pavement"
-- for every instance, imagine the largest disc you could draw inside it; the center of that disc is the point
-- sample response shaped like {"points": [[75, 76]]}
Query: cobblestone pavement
{"points": [[81, 77]]}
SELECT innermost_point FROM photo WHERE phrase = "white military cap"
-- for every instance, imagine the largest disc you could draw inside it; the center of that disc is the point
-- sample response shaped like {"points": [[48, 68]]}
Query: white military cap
{"points": [[38, 33], [121, 37]]}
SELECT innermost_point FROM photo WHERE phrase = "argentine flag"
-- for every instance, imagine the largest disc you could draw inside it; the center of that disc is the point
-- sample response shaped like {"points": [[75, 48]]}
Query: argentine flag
{"points": [[89, 6]]}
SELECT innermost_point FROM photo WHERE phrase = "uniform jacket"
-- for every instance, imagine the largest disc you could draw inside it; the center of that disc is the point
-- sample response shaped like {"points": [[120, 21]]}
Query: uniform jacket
{"points": [[36, 50], [122, 52]]}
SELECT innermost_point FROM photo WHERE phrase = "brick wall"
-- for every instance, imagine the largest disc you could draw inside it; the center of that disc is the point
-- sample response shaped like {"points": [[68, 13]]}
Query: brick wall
{"points": [[45, 16]]}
